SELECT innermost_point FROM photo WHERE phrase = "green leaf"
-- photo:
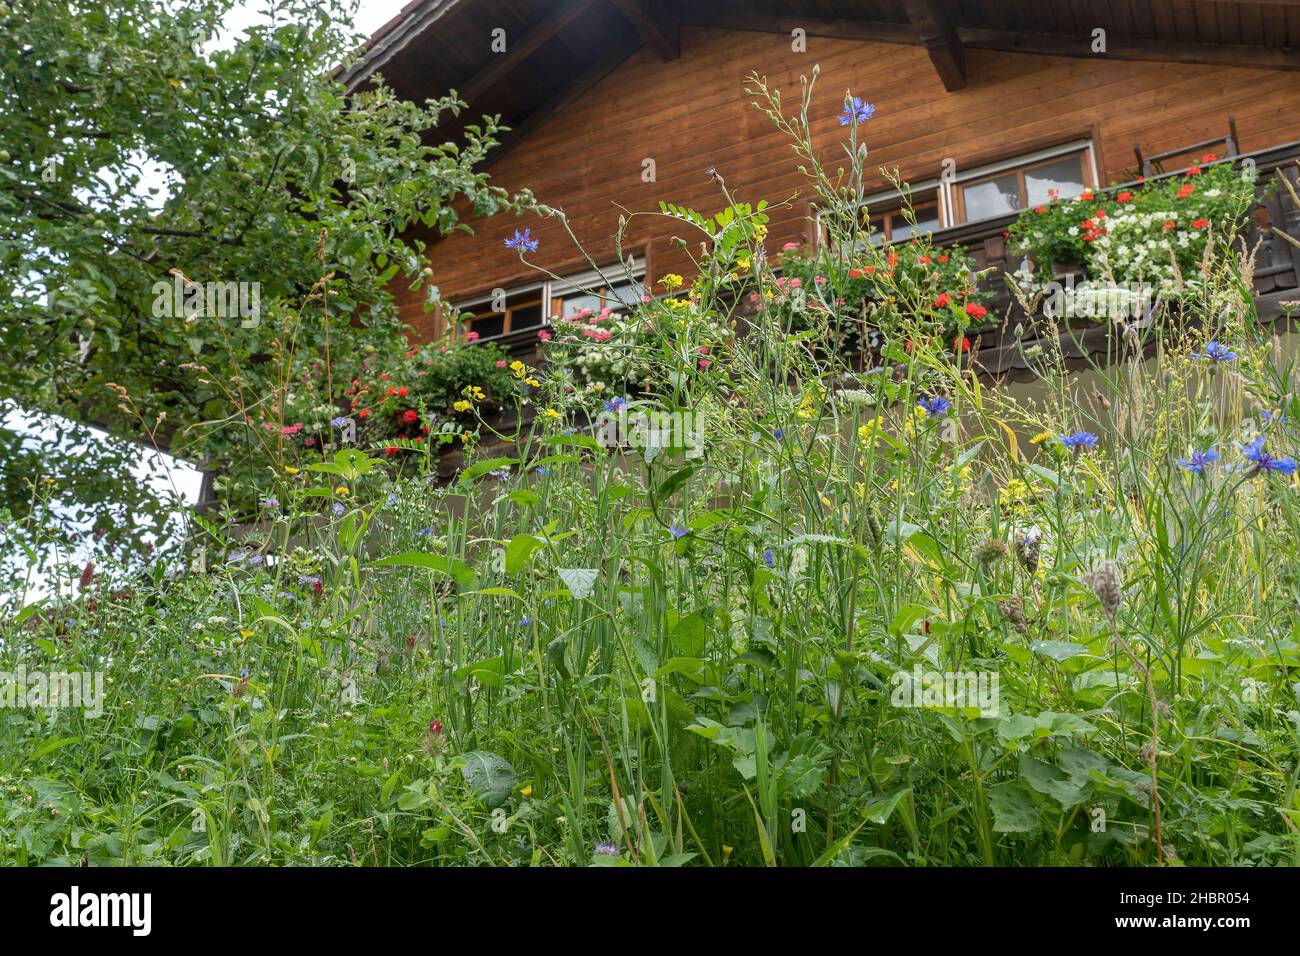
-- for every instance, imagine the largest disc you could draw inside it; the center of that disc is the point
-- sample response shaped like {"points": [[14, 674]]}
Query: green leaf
{"points": [[1058, 650], [434, 562], [491, 776], [1013, 809]]}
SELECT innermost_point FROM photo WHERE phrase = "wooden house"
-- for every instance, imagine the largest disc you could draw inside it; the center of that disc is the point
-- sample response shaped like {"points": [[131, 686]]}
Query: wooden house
{"points": [[622, 103]]}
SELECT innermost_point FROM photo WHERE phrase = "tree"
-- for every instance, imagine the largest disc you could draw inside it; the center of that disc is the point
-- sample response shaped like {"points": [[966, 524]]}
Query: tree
{"points": [[141, 158]]}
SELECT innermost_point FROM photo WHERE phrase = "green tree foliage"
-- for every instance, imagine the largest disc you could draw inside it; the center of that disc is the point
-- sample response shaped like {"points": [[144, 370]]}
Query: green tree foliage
{"points": [[143, 138]]}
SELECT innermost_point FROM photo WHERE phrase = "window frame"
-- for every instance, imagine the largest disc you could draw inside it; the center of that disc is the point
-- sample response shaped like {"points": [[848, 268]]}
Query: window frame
{"points": [[956, 188], [548, 296]]}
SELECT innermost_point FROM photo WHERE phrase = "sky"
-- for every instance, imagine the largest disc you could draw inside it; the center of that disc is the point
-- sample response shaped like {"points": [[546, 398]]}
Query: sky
{"points": [[160, 470]]}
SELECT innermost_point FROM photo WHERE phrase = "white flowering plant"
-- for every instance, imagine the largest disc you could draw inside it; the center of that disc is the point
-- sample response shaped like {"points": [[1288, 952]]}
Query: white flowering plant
{"points": [[1154, 235]]}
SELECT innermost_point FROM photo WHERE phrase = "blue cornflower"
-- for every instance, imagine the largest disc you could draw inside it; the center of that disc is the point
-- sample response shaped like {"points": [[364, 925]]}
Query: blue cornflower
{"points": [[525, 621], [523, 241], [1216, 352], [1199, 461], [769, 558], [243, 672], [1079, 440], [677, 531], [616, 404], [338, 509], [856, 111], [499, 473], [778, 434], [423, 531], [340, 421], [1266, 462], [1272, 418], [391, 499], [936, 406]]}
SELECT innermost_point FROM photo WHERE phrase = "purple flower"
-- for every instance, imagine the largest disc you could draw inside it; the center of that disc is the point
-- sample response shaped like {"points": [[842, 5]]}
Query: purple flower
{"points": [[1266, 462], [391, 499], [677, 531], [525, 621], [769, 558], [272, 504], [856, 111], [615, 404], [778, 434], [1272, 418], [340, 421], [1216, 352], [338, 509], [423, 531], [936, 406], [606, 849], [1199, 461], [1079, 440], [523, 241]]}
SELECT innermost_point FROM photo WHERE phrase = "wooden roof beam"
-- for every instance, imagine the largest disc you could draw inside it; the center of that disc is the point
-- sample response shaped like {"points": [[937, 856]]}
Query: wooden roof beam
{"points": [[1131, 48], [655, 24], [940, 39], [521, 48]]}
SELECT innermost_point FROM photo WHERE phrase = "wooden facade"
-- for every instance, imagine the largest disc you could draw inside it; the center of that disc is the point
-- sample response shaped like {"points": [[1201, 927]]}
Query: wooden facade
{"points": [[597, 88]]}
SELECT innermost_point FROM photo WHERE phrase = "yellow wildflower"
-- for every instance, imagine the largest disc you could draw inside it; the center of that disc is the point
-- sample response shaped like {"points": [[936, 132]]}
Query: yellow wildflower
{"points": [[341, 490], [553, 414], [671, 282], [462, 406], [290, 470], [527, 791]]}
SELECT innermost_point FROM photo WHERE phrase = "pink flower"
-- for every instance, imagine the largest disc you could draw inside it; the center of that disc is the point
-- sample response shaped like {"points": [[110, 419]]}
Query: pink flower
{"points": [[291, 429], [790, 246], [501, 363], [704, 350], [820, 280], [544, 335], [796, 283], [471, 336], [704, 364]]}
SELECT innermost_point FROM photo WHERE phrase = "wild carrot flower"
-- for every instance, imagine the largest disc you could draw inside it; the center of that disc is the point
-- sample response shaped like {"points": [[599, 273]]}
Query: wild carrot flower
{"points": [[856, 111], [1079, 440], [522, 241], [1199, 461], [1216, 352], [1265, 462]]}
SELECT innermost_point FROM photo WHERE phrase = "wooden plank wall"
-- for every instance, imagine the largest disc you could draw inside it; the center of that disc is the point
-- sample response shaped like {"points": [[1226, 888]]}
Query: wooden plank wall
{"points": [[690, 114]]}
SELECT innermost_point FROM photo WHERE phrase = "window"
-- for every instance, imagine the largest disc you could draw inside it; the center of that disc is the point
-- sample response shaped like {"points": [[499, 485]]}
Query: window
{"points": [[504, 312], [893, 225], [1016, 184], [609, 288]]}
